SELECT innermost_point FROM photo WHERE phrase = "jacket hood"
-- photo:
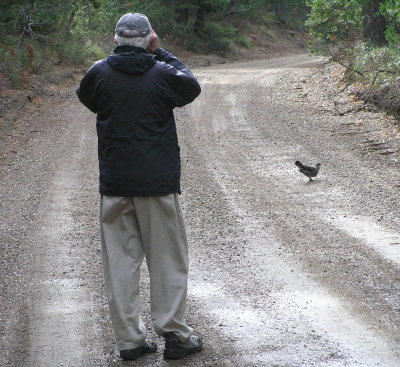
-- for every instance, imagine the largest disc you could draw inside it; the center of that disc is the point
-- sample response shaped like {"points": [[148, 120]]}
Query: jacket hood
{"points": [[131, 60]]}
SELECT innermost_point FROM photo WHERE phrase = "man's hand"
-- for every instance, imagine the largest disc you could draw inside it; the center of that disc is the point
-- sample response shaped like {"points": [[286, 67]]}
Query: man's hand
{"points": [[154, 43]]}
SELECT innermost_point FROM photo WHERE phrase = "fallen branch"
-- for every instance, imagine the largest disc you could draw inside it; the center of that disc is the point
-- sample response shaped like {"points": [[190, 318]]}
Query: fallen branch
{"points": [[382, 71], [334, 58], [234, 12]]}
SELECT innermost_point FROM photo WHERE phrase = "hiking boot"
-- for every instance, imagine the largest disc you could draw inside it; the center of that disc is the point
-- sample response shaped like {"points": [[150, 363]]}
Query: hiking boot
{"points": [[133, 354], [175, 349]]}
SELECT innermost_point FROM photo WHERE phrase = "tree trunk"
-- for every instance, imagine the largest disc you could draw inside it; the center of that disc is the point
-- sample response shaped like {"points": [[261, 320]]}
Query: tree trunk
{"points": [[199, 19], [69, 25], [182, 15], [374, 26]]}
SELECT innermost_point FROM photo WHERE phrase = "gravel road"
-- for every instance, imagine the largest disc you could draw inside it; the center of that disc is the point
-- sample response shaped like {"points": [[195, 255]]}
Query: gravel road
{"points": [[284, 272]]}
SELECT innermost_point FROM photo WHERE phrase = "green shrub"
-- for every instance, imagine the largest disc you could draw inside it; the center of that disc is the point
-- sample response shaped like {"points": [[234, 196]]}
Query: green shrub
{"points": [[373, 58], [12, 66], [78, 51], [213, 38], [391, 10], [330, 21], [243, 41], [379, 64], [20, 62]]}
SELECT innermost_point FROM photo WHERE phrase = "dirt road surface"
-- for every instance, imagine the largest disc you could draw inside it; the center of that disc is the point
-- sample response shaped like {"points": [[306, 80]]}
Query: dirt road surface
{"points": [[284, 272]]}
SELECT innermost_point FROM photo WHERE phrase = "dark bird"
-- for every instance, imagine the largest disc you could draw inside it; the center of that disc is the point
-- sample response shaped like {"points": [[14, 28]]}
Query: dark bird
{"points": [[307, 170]]}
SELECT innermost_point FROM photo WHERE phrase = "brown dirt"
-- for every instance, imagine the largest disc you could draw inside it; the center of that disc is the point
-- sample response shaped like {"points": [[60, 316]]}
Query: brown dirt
{"points": [[18, 107], [283, 272], [386, 98]]}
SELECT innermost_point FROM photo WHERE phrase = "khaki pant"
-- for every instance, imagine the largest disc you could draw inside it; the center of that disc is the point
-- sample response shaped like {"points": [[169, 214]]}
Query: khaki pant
{"points": [[134, 227]]}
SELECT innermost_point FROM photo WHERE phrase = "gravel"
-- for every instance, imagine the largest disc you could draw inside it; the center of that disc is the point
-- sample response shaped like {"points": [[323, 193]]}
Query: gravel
{"points": [[283, 272]]}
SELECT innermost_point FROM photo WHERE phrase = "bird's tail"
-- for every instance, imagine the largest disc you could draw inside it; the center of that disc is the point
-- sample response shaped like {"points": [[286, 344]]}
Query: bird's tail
{"points": [[298, 164]]}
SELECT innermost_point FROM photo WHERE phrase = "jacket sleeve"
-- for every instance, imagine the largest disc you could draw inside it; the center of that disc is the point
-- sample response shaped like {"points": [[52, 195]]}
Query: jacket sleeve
{"points": [[183, 85], [86, 90]]}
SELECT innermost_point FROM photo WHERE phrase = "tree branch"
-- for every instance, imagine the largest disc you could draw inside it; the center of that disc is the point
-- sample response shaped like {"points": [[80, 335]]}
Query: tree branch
{"points": [[234, 12], [382, 71], [334, 58]]}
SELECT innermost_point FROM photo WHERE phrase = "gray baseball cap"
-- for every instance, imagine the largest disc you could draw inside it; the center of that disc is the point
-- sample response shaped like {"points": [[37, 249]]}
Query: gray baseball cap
{"points": [[133, 25]]}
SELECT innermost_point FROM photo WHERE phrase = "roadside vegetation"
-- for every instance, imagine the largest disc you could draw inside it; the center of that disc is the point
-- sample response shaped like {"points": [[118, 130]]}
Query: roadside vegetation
{"points": [[36, 34], [364, 37], [361, 35]]}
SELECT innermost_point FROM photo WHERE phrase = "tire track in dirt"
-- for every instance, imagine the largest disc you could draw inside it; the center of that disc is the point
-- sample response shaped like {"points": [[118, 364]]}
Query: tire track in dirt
{"points": [[283, 273], [272, 204]]}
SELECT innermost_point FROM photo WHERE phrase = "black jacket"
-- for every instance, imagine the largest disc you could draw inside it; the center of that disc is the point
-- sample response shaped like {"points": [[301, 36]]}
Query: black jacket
{"points": [[134, 94]]}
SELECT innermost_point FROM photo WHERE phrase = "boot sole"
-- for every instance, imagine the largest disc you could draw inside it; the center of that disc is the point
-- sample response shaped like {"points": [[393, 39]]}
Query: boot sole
{"points": [[175, 355], [133, 356]]}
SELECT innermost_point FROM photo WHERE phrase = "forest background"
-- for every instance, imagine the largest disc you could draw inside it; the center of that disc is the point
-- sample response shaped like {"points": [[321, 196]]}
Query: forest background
{"points": [[362, 35]]}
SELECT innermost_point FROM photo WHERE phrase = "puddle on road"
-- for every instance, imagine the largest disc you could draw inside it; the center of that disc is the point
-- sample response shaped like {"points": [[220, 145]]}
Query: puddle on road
{"points": [[299, 322], [301, 325], [60, 321], [364, 229], [57, 328]]}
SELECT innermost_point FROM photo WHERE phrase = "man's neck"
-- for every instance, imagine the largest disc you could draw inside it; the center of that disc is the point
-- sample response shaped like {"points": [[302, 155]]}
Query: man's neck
{"points": [[129, 48]]}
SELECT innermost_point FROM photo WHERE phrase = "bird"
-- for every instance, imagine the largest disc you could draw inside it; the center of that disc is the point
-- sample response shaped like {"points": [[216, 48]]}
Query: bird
{"points": [[307, 170]]}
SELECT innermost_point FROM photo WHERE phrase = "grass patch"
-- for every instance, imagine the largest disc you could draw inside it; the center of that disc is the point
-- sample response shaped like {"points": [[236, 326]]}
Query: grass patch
{"points": [[243, 41], [33, 57]]}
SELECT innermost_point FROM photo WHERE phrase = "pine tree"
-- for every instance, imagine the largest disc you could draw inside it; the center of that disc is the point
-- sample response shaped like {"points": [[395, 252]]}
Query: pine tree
{"points": [[374, 23]]}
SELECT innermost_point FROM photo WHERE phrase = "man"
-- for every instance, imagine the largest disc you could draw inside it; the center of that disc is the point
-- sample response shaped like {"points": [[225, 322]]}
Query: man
{"points": [[133, 92]]}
